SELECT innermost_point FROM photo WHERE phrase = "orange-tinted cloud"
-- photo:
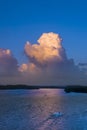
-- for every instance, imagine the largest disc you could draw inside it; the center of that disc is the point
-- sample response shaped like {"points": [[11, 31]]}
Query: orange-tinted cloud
{"points": [[47, 64], [48, 49]]}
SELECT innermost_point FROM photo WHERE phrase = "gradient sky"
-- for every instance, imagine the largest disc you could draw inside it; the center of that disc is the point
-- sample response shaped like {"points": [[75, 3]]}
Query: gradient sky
{"points": [[22, 20]]}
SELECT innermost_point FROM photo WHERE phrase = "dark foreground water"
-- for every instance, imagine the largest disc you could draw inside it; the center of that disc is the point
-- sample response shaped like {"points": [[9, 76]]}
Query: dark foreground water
{"points": [[33, 109]]}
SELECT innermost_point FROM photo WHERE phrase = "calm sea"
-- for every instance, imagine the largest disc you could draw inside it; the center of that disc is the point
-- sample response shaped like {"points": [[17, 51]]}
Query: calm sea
{"points": [[33, 110]]}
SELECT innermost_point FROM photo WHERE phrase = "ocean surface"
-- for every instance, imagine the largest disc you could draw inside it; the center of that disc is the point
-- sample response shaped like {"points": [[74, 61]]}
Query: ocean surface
{"points": [[34, 109]]}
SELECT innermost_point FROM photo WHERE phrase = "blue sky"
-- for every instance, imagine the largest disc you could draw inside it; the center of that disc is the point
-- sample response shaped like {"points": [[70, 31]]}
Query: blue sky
{"points": [[26, 20]]}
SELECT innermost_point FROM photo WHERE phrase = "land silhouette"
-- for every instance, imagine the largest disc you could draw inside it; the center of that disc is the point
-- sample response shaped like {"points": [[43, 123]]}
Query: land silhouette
{"points": [[67, 89], [21, 86]]}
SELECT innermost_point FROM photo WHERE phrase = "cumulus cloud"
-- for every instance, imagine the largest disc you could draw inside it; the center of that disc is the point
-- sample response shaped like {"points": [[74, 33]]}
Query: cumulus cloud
{"points": [[8, 64], [48, 62], [48, 49]]}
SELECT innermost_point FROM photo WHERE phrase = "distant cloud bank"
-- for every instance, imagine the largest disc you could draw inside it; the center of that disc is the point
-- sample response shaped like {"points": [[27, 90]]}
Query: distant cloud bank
{"points": [[8, 64], [47, 64]]}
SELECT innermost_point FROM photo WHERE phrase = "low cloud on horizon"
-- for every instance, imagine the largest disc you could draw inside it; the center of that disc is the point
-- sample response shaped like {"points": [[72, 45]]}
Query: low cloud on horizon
{"points": [[47, 64]]}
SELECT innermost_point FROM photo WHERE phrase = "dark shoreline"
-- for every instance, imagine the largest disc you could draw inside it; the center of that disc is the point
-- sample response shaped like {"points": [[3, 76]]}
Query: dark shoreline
{"points": [[67, 89], [13, 87], [75, 88]]}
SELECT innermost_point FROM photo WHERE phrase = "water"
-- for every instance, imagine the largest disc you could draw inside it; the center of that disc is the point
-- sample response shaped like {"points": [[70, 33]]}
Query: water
{"points": [[33, 109]]}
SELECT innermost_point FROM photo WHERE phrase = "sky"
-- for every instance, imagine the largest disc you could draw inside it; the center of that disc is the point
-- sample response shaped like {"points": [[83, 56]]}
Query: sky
{"points": [[24, 20]]}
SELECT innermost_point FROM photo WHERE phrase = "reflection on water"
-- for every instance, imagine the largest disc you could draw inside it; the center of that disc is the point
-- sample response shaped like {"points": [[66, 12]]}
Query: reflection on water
{"points": [[32, 110], [37, 92]]}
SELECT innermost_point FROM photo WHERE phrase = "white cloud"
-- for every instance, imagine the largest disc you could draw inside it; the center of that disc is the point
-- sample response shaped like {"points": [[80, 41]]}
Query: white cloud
{"points": [[47, 64], [48, 50]]}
